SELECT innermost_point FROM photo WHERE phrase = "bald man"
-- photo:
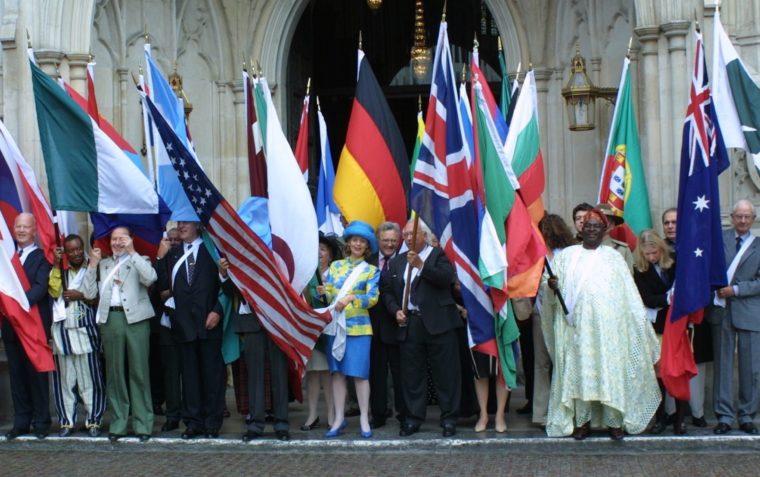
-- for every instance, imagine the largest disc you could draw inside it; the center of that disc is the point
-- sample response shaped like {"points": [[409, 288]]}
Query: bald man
{"points": [[29, 388]]}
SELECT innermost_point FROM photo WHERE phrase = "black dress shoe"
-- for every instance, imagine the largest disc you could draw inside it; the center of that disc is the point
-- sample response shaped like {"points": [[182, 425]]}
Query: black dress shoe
{"points": [[40, 434], [190, 433], [94, 431], [170, 425], [748, 427], [722, 428], [526, 409], [698, 422], [251, 435], [212, 434], [449, 430], [679, 428], [582, 432], [282, 435], [312, 426], [114, 437], [658, 428], [616, 433], [14, 433], [408, 430], [65, 432], [143, 437]]}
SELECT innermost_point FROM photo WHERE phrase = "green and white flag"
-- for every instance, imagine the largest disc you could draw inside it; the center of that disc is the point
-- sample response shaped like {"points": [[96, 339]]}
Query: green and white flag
{"points": [[736, 96], [86, 170]]}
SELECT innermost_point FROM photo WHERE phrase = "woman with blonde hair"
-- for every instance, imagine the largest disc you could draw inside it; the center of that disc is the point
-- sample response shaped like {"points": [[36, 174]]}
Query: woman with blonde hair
{"points": [[654, 272]]}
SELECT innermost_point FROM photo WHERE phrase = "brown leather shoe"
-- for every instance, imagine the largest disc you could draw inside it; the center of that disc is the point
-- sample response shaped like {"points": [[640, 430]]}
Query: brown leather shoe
{"points": [[616, 433], [582, 432]]}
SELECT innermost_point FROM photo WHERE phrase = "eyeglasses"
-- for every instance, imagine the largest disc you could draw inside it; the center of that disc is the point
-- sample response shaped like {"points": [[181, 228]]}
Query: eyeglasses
{"points": [[742, 216]]}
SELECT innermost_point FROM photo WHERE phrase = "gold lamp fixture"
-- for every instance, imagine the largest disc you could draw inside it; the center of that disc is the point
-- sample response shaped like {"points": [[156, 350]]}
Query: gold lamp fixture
{"points": [[580, 96], [420, 53], [374, 5]]}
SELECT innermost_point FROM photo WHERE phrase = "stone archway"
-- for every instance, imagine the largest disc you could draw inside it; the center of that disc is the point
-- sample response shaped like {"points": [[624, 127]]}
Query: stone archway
{"points": [[284, 16]]}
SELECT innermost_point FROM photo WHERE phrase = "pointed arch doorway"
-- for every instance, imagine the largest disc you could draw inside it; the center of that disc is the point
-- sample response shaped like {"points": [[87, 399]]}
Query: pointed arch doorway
{"points": [[319, 39]]}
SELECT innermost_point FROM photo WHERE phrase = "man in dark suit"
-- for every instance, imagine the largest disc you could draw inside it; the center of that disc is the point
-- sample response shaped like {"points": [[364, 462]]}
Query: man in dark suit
{"points": [[385, 349], [737, 325], [669, 225], [430, 320], [29, 388], [257, 347], [193, 278]]}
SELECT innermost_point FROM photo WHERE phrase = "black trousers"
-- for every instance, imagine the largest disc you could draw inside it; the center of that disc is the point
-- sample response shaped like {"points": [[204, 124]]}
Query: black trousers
{"points": [[202, 384], [171, 360], [256, 347], [29, 388], [443, 352], [381, 357]]}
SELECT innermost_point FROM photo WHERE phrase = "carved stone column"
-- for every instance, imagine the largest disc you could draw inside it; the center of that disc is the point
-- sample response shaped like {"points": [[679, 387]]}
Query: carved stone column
{"points": [[677, 97], [49, 61], [120, 102], [649, 127], [554, 189], [78, 71], [240, 169]]}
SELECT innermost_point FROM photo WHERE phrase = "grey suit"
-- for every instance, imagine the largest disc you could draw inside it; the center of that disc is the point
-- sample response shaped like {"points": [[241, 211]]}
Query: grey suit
{"points": [[738, 324]]}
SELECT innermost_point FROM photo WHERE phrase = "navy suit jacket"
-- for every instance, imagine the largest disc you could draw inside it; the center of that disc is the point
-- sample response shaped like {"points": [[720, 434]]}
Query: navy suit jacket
{"points": [[37, 271]]}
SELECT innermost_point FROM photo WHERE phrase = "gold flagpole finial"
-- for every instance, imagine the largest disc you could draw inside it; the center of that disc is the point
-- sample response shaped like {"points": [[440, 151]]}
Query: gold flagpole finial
{"points": [[519, 67], [498, 43], [146, 35], [360, 39], [696, 21], [475, 43], [308, 86], [530, 66], [443, 15], [319, 108], [630, 44], [28, 39], [244, 64], [419, 103], [464, 72]]}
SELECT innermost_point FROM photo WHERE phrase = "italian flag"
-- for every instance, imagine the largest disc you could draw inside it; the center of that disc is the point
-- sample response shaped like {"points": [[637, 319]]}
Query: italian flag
{"points": [[736, 96], [622, 184], [86, 170]]}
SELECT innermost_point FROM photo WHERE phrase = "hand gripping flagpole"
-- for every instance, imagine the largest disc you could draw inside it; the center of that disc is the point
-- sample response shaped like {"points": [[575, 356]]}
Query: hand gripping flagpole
{"points": [[556, 292]]}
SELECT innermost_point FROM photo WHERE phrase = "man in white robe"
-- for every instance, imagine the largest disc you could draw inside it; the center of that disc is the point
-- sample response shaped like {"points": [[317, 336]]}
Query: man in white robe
{"points": [[604, 349]]}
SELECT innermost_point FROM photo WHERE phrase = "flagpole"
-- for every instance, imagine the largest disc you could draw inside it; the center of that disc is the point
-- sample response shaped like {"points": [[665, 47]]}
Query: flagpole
{"points": [[146, 130], [408, 289]]}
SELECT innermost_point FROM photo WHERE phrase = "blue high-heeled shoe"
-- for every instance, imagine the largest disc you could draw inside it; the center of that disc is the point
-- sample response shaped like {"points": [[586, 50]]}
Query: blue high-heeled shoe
{"points": [[366, 435], [335, 433]]}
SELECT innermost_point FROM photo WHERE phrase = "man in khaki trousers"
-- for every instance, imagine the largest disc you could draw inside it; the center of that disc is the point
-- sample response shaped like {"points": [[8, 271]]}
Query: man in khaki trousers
{"points": [[124, 314]]}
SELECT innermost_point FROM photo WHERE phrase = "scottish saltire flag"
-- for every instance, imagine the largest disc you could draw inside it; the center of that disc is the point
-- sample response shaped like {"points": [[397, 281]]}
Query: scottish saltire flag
{"points": [[291, 323], [301, 150], [86, 170], [699, 243], [167, 102], [736, 95], [14, 305], [20, 192], [328, 214], [443, 196]]}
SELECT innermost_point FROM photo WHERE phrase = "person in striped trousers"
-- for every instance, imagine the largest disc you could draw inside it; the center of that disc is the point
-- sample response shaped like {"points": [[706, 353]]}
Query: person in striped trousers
{"points": [[76, 341]]}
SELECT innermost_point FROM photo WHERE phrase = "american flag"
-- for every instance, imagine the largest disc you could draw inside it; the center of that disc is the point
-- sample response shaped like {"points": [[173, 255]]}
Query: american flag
{"points": [[443, 195], [291, 323], [701, 264]]}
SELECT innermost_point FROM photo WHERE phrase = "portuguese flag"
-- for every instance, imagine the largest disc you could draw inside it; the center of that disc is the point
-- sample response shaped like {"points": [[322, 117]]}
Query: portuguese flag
{"points": [[372, 181], [622, 184]]}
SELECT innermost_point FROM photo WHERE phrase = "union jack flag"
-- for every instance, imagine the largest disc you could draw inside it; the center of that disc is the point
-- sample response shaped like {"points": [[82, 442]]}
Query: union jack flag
{"points": [[443, 196], [699, 243], [291, 323]]}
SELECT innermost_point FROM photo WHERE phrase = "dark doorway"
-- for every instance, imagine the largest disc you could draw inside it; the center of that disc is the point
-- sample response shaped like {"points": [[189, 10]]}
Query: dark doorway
{"points": [[325, 44]]}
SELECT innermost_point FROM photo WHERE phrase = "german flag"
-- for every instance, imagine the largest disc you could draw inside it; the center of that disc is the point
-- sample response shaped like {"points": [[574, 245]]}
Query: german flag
{"points": [[372, 182]]}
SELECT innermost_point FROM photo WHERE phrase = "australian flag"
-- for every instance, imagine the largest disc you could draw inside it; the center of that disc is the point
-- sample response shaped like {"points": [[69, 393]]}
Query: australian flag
{"points": [[701, 264]]}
